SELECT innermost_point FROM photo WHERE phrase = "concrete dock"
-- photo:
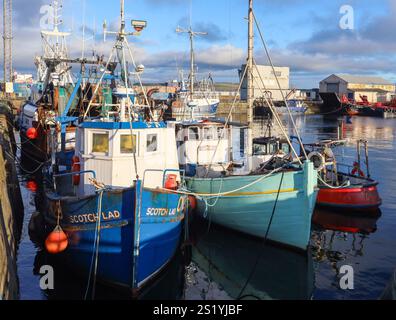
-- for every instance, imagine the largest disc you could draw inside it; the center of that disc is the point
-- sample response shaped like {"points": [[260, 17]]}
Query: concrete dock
{"points": [[11, 208]]}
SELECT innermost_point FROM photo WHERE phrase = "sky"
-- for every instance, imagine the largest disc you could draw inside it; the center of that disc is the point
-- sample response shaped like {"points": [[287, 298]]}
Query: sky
{"points": [[304, 35]]}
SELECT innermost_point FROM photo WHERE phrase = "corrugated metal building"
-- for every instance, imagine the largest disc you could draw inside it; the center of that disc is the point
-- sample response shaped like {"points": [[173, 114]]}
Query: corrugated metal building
{"points": [[376, 89], [265, 77]]}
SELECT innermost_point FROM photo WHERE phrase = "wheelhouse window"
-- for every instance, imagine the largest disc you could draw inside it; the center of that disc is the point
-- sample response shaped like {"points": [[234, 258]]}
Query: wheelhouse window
{"points": [[221, 134], [208, 133], [285, 148], [193, 133], [259, 149], [152, 143], [127, 143], [100, 143]]}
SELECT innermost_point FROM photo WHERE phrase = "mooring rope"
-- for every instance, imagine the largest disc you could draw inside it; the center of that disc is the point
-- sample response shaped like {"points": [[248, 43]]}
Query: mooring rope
{"points": [[100, 188], [345, 184], [215, 195]]}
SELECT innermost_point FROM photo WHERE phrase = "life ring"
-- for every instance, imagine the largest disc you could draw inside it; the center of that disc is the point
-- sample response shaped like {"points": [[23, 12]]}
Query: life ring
{"points": [[76, 167], [318, 160]]}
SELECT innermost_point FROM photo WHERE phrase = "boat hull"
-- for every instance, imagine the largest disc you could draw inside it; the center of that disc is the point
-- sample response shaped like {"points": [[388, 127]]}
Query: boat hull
{"points": [[203, 109], [250, 210], [358, 197], [378, 112], [293, 110], [36, 148], [159, 233]]}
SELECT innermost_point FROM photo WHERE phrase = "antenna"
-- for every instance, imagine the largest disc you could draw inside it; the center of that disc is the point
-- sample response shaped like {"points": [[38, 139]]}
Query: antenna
{"points": [[83, 40], [56, 7], [192, 34], [138, 25]]}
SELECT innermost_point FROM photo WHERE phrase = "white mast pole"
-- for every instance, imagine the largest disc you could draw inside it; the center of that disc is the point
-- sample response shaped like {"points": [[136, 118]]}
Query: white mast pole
{"points": [[250, 90], [122, 18], [192, 71]]}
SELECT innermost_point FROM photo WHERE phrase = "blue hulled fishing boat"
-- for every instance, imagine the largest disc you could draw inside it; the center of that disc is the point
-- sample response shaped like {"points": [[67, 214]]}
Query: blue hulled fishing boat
{"points": [[116, 210]]}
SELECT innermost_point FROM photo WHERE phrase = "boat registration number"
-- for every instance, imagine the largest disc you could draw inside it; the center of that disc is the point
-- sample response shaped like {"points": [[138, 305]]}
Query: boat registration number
{"points": [[160, 212], [93, 218]]}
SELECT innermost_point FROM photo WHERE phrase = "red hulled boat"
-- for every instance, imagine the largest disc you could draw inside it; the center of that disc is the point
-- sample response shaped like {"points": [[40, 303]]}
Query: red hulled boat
{"points": [[360, 194], [348, 189]]}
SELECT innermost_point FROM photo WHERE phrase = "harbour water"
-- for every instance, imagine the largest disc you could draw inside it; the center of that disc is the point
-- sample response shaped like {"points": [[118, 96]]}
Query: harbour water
{"points": [[228, 265]]}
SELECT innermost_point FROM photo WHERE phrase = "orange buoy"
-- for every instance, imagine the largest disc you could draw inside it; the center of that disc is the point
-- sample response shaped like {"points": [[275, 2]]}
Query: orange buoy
{"points": [[171, 182], [193, 202], [31, 133], [56, 241], [31, 185], [76, 167]]}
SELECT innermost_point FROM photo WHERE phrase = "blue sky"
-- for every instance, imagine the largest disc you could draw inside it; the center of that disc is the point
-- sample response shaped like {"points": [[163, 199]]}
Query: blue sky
{"points": [[302, 34]]}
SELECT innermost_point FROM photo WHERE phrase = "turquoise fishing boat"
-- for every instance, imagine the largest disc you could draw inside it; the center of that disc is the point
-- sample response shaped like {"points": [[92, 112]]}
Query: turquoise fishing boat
{"points": [[268, 193]]}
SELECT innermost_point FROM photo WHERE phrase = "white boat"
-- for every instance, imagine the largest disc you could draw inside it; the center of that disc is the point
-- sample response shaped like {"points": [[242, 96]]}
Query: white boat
{"points": [[295, 106], [193, 103]]}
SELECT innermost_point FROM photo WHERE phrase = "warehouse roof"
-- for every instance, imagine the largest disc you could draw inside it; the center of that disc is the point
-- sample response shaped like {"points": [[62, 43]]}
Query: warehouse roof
{"points": [[363, 79], [368, 90]]}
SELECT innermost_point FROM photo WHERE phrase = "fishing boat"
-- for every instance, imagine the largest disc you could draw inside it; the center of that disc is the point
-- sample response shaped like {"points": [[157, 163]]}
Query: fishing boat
{"points": [[295, 106], [116, 213], [194, 101], [55, 94], [343, 186], [49, 94], [273, 201], [334, 105]]}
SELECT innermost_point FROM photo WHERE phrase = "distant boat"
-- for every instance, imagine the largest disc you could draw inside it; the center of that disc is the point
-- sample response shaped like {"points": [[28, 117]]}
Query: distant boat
{"points": [[295, 106], [333, 105], [203, 103], [193, 102]]}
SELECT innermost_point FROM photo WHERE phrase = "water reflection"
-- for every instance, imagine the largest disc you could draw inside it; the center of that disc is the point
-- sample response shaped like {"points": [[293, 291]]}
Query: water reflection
{"points": [[339, 238], [330, 227], [69, 285], [229, 259]]}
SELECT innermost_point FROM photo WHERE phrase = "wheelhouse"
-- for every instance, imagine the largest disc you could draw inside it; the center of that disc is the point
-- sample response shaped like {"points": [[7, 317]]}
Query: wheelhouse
{"points": [[202, 143], [265, 148], [119, 154]]}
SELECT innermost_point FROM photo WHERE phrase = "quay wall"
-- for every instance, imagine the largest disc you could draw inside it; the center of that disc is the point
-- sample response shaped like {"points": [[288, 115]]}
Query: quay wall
{"points": [[11, 208]]}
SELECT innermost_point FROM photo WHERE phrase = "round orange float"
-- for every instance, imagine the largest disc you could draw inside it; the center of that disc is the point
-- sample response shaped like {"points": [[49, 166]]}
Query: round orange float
{"points": [[56, 241], [31, 133]]}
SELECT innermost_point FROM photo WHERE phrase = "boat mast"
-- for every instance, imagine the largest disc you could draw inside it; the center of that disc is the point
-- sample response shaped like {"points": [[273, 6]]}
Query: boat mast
{"points": [[122, 30], [192, 34], [250, 90], [192, 71]]}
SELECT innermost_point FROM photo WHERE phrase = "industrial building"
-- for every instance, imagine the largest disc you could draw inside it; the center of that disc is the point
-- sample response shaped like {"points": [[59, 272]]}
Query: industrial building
{"points": [[265, 82], [376, 89]]}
